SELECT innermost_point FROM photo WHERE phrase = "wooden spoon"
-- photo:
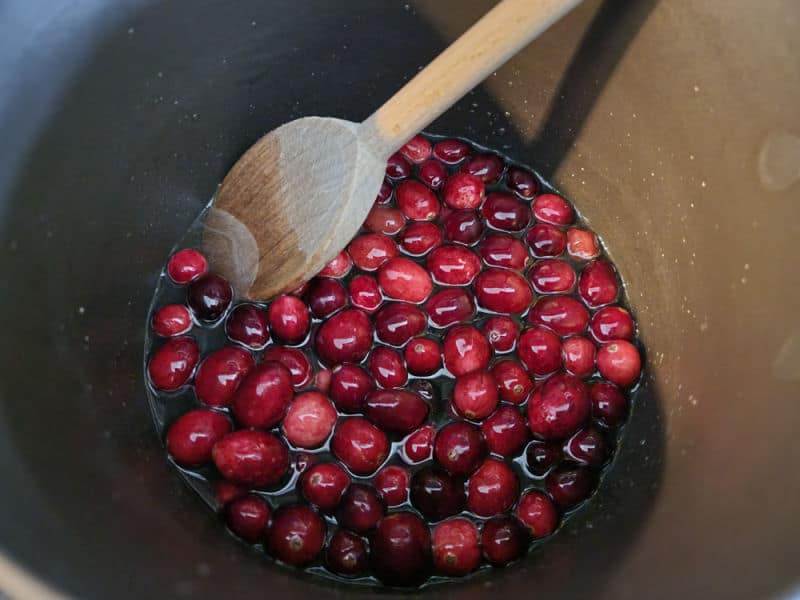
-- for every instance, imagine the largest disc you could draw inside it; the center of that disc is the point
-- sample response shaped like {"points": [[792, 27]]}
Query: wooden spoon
{"points": [[299, 194]]}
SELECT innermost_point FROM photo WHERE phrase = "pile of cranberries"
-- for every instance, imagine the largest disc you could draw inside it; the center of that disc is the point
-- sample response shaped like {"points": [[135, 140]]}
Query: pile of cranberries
{"points": [[437, 399]]}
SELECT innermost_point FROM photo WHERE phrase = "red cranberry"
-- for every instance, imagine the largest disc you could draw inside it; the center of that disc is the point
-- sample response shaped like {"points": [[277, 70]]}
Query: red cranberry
{"points": [[501, 250], [463, 227], [172, 364], [296, 536], [423, 357], [512, 380], [396, 323], [420, 238], [582, 244], [350, 385], [522, 182], [401, 550], [370, 250], [309, 420], [465, 350], [419, 445], [365, 293], [226, 492], [323, 485], [293, 359], [432, 173], [397, 411], [360, 445], [186, 265], [578, 355], [220, 374], [598, 283], [384, 219], [304, 461], [453, 265], [563, 314], [171, 320], [451, 151], [248, 517], [503, 291], [338, 267], [560, 408], [417, 149], [387, 368], [569, 487], [398, 167], [300, 289], [436, 494], [505, 431], [538, 513], [344, 337], [393, 483], [619, 362], [487, 167], [385, 193], [263, 396], [210, 297], [325, 297], [449, 306], [475, 395], [502, 333], [492, 489], [462, 190], [360, 509], [611, 323], [191, 437], [417, 201], [552, 276], [456, 551], [587, 447], [608, 403], [322, 380], [403, 279], [347, 554], [505, 212], [546, 240], [553, 209], [251, 457], [289, 319], [540, 351], [541, 457], [247, 324], [459, 447], [503, 540]]}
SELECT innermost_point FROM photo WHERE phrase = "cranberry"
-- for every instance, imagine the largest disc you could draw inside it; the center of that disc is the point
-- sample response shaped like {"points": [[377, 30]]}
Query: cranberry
{"points": [[263, 396], [247, 324], [432, 173], [487, 167], [541, 457], [423, 357], [502, 333], [522, 182], [475, 395], [619, 362], [578, 355], [172, 364], [492, 489], [453, 265], [608, 403], [501, 250], [459, 447], [370, 250], [506, 212], [598, 283], [513, 381], [560, 408], [465, 350], [503, 540], [289, 319], [456, 550], [612, 323], [393, 483], [210, 297], [338, 267], [417, 201], [538, 513], [387, 368], [582, 244], [403, 279], [360, 445], [545, 240], [384, 219], [436, 494], [191, 437], [396, 323], [587, 447], [462, 190], [350, 385], [248, 517], [569, 487], [505, 431], [385, 193], [220, 374], [325, 297], [171, 320], [323, 485], [346, 554], [398, 167], [251, 457], [293, 359], [451, 151], [449, 306], [296, 536], [420, 238], [344, 337], [419, 445], [503, 291], [463, 227], [360, 509], [552, 276], [563, 314], [186, 265], [540, 351], [553, 209], [309, 420], [304, 461], [417, 149], [365, 293], [226, 492], [300, 289], [323, 380], [401, 549], [398, 411]]}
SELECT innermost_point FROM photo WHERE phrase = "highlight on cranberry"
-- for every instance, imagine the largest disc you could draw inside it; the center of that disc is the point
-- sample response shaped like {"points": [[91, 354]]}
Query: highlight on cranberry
{"points": [[437, 401]]}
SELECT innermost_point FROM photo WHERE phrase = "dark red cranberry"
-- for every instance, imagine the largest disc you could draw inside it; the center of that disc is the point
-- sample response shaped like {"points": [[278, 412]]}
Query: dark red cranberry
{"points": [[296, 536], [423, 357], [418, 446], [456, 550], [568, 487], [300, 289], [541, 457], [418, 149], [370, 250], [598, 283], [502, 333], [559, 407], [553, 209], [393, 483], [397, 322], [546, 240], [436, 494], [513, 381], [263, 397], [338, 267], [347, 554], [360, 509], [451, 151], [460, 447], [578, 355], [397, 167], [384, 219], [401, 550], [344, 337], [587, 447], [248, 517], [397, 411], [563, 314], [220, 374], [172, 364], [501, 250], [365, 293], [487, 167], [612, 323], [247, 324], [522, 182], [505, 431], [465, 350], [251, 457], [192, 436], [403, 279], [309, 420], [463, 227], [503, 540], [475, 395], [538, 513], [289, 319], [506, 212], [385, 193], [432, 173], [619, 362], [186, 265], [582, 244], [323, 485], [350, 385], [503, 291], [608, 403], [453, 265], [210, 297], [293, 359], [172, 320], [462, 190], [226, 492], [304, 461], [449, 306], [540, 351], [387, 368], [492, 489], [360, 445], [417, 201], [552, 276], [325, 297], [420, 238]]}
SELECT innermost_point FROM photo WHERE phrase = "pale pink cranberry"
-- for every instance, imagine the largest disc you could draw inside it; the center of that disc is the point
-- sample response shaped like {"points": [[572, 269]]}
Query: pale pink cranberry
{"points": [[226, 492], [505, 431], [397, 322], [608, 403], [360, 445], [456, 550], [501, 250], [247, 324], [401, 550], [325, 297], [598, 283], [563, 314], [436, 494], [417, 201], [385, 193], [289, 319], [309, 420], [347, 553], [251, 457], [578, 355], [396, 411], [513, 381], [338, 267], [462, 190], [361, 508], [506, 212], [553, 209], [172, 320], [612, 323], [487, 167], [248, 517], [323, 485], [420, 238], [418, 149], [587, 447], [418, 446], [296, 536], [322, 380], [545, 240], [186, 265], [463, 227], [475, 395], [459, 447], [541, 457], [503, 540], [350, 385], [370, 250], [403, 279], [384, 219], [393, 483], [365, 293], [220, 374], [451, 151], [171, 366], [209, 297], [423, 357], [432, 173], [293, 359], [492, 489], [453, 265], [568, 487], [192, 436], [449, 306], [344, 337], [387, 368], [538, 513], [582, 244], [559, 407], [503, 291], [263, 396], [465, 350], [522, 182], [397, 167], [619, 362], [502, 333], [552, 276]]}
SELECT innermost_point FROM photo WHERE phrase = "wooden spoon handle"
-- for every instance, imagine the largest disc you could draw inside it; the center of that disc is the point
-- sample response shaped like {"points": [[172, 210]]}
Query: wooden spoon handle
{"points": [[501, 33]]}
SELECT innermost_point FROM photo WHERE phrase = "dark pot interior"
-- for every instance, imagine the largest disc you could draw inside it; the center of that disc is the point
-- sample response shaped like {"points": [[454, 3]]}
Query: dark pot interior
{"points": [[668, 123]]}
